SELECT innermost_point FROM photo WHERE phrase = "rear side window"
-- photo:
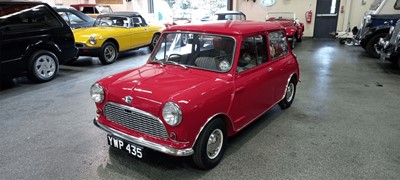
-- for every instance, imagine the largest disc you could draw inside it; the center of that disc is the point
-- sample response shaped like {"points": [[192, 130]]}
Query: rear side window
{"points": [[277, 44], [26, 17], [253, 52]]}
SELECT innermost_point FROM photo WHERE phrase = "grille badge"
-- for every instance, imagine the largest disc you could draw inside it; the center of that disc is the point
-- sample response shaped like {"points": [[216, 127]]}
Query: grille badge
{"points": [[127, 99]]}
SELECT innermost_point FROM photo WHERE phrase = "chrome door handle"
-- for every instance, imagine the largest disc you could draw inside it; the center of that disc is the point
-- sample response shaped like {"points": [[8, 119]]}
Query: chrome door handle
{"points": [[270, 69]]}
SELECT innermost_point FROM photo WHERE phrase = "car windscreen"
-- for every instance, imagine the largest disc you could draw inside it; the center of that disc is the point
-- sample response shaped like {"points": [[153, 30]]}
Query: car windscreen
{"points": [[203, 51], [374, 6]]}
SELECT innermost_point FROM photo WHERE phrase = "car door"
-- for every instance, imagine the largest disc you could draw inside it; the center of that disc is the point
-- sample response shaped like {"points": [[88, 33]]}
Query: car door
{"points": [[253, 91], [279, 62], [139, 32]]}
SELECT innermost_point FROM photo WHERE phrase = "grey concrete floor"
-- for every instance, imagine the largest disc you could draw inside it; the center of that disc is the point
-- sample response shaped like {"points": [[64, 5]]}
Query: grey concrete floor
{"points": [[344, 124]]}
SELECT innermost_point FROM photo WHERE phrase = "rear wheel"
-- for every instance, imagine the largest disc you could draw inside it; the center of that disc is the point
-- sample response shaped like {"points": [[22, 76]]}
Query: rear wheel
{"points": [[43, 66], [370, 47], [292, 42], [108, 54], [289, 94], [210, 145]]}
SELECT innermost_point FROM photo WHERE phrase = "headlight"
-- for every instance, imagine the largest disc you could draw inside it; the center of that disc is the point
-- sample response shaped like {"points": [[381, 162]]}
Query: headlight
{"points": [[391, 29], [97, 93], [92, 40], [172, 114], [368, 19]]}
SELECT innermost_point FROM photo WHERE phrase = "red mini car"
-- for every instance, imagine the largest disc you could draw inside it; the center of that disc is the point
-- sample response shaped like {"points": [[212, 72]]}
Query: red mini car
{"points": [[294, 29], [187, 99]]}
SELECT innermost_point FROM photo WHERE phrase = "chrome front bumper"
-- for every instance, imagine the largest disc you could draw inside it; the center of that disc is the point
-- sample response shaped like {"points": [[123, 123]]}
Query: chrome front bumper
{"points": [[383, 48], [144, 143]]}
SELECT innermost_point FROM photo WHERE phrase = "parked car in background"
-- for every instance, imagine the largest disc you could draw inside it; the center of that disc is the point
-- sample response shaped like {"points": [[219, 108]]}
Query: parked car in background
{"points": [[113, 33], [34, 40], [389, 47], [375, 26], [293, 27], [74, 18], [229, 15], [186, 101], [93, 10]]}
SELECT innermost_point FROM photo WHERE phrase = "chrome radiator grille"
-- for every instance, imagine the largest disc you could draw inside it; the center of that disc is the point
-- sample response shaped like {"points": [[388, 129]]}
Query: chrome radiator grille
{"points": [[393, 36], [135, 119]]}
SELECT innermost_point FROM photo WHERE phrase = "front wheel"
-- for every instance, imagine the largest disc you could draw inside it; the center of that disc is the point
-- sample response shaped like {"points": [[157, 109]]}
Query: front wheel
{"points": [[43, 66], [292, 42], [108, 54], [210, 146], [370, 47], [154, 41], [290, 92]]}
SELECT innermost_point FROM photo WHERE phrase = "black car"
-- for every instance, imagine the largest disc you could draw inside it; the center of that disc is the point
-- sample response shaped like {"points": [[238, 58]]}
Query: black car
{"points": [[389, 46], [34, 40], [74, 18]]}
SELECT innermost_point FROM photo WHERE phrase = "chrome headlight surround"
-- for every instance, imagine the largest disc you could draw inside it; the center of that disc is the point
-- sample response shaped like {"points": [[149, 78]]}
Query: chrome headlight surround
{"points": [[97, 93], [368, 19], [391, 29], [172, 114], [92, 40]]}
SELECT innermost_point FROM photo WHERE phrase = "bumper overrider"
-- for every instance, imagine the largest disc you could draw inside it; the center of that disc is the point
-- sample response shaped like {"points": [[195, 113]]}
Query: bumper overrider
{"points": [[85, 50], [142, 142], [385, 49]]}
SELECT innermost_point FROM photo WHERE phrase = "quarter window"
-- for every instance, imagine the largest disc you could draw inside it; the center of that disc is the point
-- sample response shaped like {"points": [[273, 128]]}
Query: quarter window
{"points": [[277, 44], [253, 52]]}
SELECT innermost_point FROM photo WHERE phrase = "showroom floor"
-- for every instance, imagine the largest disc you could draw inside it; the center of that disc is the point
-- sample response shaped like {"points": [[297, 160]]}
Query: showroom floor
{"points": [[344, 124]]}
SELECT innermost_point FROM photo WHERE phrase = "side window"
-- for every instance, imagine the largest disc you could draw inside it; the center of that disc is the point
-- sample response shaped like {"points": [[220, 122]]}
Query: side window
{"points": [[64, 16], [253, 52], [74, 19], [29, 18], [277, 44], [136, 22], [397, 5]]}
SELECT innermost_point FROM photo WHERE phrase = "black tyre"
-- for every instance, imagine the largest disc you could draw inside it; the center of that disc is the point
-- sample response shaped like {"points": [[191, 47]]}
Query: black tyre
{"points": [[342, 41], [210, 146], [43, 66], [298, 39], [395, 61], [109, 53], [370, 47], [292, 42], [154, 41], [289, 94]]}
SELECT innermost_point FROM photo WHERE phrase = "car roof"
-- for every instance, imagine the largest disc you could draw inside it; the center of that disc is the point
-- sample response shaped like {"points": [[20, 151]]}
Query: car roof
{"points": [[234, 27], [122, 13]]}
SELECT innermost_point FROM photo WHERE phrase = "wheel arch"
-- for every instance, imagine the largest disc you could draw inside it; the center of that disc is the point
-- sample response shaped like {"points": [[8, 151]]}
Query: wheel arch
{"points": [[224, 117], [114, 41], [31, 49]]}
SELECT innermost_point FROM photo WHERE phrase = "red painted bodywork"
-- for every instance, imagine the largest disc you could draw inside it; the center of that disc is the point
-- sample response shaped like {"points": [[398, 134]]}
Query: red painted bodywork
{"points": [[238, 98], [292, 28]]}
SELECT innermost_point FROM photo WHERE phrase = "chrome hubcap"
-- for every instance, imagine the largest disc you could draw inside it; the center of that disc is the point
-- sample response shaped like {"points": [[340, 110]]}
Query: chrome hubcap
{"points": [[109, 53], [214, 143], [289, 92], [45, 66]]}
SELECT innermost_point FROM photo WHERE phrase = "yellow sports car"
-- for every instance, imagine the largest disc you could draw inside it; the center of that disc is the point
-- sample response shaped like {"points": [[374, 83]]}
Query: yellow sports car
{"points": [[113, 33]]}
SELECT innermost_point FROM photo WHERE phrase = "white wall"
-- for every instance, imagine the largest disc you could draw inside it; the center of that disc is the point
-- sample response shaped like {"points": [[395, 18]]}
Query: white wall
{"points": [[255, 11]]}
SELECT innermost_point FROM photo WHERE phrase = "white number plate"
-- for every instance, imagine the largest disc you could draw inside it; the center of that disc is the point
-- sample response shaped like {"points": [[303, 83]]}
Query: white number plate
{"points": [[123, 145]]}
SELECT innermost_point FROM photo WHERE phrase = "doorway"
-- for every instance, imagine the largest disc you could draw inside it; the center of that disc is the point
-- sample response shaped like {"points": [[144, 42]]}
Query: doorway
{"points": [[326, 18]]}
